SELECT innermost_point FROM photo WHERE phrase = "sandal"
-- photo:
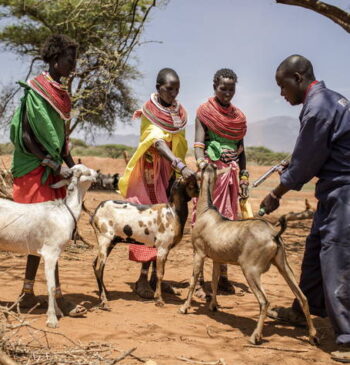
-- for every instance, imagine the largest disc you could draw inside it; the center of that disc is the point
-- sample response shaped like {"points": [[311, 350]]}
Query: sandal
{"points": [[29, 300], [342, 355], [225, 286], [200, 293], [287, 315], [166, 287], [143, 289], [70, 309]]}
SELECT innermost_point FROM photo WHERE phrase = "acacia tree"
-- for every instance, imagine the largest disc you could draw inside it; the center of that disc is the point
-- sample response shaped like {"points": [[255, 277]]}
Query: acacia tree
{"points": [[338, 15], [107, 32]]}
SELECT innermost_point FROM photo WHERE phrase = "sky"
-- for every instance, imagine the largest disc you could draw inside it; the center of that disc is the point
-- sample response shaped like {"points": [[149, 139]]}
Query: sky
{"points": [[197, 37]]}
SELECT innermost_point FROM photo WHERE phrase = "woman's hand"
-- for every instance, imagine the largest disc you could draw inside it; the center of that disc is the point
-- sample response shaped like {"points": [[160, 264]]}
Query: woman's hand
{"points": [[188, 173], [244, 183], [244, 186]]}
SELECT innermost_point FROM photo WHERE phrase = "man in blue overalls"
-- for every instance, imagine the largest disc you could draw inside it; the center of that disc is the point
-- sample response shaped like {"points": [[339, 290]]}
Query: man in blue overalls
{"points": [[322, 150]]}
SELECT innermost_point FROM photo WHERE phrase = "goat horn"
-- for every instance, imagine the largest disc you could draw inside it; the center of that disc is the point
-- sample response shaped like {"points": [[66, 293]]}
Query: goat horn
{"points": [[223, 171], [59, 184]]}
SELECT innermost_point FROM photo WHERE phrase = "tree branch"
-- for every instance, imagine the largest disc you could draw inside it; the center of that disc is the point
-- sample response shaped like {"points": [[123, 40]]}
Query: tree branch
{"points": [[11, 96], [339, 16]]}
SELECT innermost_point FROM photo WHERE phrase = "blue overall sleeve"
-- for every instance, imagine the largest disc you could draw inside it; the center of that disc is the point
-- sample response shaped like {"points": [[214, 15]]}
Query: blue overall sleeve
{"points": [[311, 150]]}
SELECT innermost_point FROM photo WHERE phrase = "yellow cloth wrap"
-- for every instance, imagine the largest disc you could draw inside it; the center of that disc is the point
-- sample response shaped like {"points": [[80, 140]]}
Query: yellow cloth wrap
{"points": [[246, 208], [149, 134]]}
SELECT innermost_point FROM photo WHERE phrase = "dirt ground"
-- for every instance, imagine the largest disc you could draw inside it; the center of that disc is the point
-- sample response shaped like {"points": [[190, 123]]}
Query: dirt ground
{"points": [[162, 334]]}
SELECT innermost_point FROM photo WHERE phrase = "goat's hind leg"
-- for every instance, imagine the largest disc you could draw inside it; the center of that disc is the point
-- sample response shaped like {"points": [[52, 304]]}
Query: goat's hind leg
{"points": [[252, 275], [198, 261], [213, 305], [105, 247], [50, 261], [283, 267], [161, 259]]}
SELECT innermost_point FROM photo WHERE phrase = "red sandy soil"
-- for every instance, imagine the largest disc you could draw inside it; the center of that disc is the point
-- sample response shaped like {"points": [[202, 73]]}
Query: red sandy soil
{"points": [[162, 334]]}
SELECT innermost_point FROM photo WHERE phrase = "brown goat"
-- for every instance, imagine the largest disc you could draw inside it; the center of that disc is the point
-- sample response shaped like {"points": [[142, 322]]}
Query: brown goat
{"points": [[253, 244]]}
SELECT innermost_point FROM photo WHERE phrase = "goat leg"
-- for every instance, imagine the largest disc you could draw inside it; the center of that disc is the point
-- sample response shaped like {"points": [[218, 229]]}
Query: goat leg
{"points": [[283, 267], [198, 261], [161, 259], [213, 305], [50, 261], [105, 248], [253, 279]]}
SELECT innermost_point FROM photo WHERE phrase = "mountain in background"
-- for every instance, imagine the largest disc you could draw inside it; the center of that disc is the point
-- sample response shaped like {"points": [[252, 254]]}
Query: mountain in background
{"points": [[276, 133]]}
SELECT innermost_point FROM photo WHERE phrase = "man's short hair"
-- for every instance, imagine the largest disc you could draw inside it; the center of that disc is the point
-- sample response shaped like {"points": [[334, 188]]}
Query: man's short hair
{"points": [[297, 63]]}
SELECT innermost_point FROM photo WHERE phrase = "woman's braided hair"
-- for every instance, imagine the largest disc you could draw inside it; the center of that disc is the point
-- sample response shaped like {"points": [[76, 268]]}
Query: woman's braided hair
{"points": [[55, 45], [225, 73]]}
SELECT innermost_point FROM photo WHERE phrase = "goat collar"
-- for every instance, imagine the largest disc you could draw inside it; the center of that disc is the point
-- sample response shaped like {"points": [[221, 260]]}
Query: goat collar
{"points": [[74, 233]]}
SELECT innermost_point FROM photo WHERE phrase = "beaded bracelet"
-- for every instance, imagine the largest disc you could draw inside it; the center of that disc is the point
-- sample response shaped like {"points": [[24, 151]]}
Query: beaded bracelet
{"points": [[199, 145], [200, 161], [177, 165], [244, 174], [47, 161]]}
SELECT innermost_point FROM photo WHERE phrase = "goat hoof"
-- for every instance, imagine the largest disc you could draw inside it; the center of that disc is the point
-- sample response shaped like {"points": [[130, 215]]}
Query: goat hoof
{"points": [[52, 324], [314, 340], [159, 303], [183, 310], [255, 339], [105, 306], [213, 307]]}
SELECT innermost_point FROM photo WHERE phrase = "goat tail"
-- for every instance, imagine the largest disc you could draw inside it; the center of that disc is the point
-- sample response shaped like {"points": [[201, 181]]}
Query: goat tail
{"points": [[86, 210], [283, 223]]}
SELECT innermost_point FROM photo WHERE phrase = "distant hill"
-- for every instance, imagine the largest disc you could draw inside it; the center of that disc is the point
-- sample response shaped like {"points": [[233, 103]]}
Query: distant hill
{"points": [[127, 139], [276, 133]]}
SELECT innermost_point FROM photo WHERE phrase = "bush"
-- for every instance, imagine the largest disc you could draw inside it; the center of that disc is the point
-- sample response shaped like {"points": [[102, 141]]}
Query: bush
{"points": [[107, 150], [76, 142], [263, 156], [6, 148]]}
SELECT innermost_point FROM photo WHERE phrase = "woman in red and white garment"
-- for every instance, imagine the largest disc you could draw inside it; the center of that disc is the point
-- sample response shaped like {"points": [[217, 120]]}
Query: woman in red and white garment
{"points": [[220, 129], [151, 170], [40, 147]]}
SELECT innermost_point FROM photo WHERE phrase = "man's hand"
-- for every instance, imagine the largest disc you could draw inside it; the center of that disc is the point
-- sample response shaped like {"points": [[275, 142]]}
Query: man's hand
{"points": [[270, 203], [65, 172], [282, 167]]}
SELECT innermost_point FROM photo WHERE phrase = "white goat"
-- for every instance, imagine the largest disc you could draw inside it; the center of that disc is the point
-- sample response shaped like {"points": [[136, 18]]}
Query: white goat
{"points": [[45, 228], [157, 225], [253, 244]]}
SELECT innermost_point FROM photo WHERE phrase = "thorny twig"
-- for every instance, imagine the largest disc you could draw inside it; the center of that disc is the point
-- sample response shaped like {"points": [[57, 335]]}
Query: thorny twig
{"points": [[199, 362]]}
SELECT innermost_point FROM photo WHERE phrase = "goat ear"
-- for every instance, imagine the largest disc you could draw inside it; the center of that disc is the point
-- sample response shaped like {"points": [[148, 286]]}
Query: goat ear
{"points": [[223, 171], [60, 184]]}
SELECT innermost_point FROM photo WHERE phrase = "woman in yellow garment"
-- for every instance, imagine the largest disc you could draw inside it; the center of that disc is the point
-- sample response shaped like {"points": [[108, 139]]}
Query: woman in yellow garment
{"points": [[151, 170]]}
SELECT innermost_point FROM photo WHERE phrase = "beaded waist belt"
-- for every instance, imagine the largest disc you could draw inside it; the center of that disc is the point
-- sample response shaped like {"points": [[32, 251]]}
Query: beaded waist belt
{"points": [[228, 155]]}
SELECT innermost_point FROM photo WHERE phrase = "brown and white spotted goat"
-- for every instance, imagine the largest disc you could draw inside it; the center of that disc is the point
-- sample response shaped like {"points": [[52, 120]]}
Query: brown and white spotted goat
{"points": [[252, 243], [157, 225]]}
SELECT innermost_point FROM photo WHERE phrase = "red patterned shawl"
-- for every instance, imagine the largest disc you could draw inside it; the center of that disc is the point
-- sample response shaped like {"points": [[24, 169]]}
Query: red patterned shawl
{"points": [[227, 122], [53, 93], [172, 119]]}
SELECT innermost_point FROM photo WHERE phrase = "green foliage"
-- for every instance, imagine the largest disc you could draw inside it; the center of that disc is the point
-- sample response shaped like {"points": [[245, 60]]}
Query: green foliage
{"points": [[107, 32], [107, 150], [263, 156], [76, 142]]}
